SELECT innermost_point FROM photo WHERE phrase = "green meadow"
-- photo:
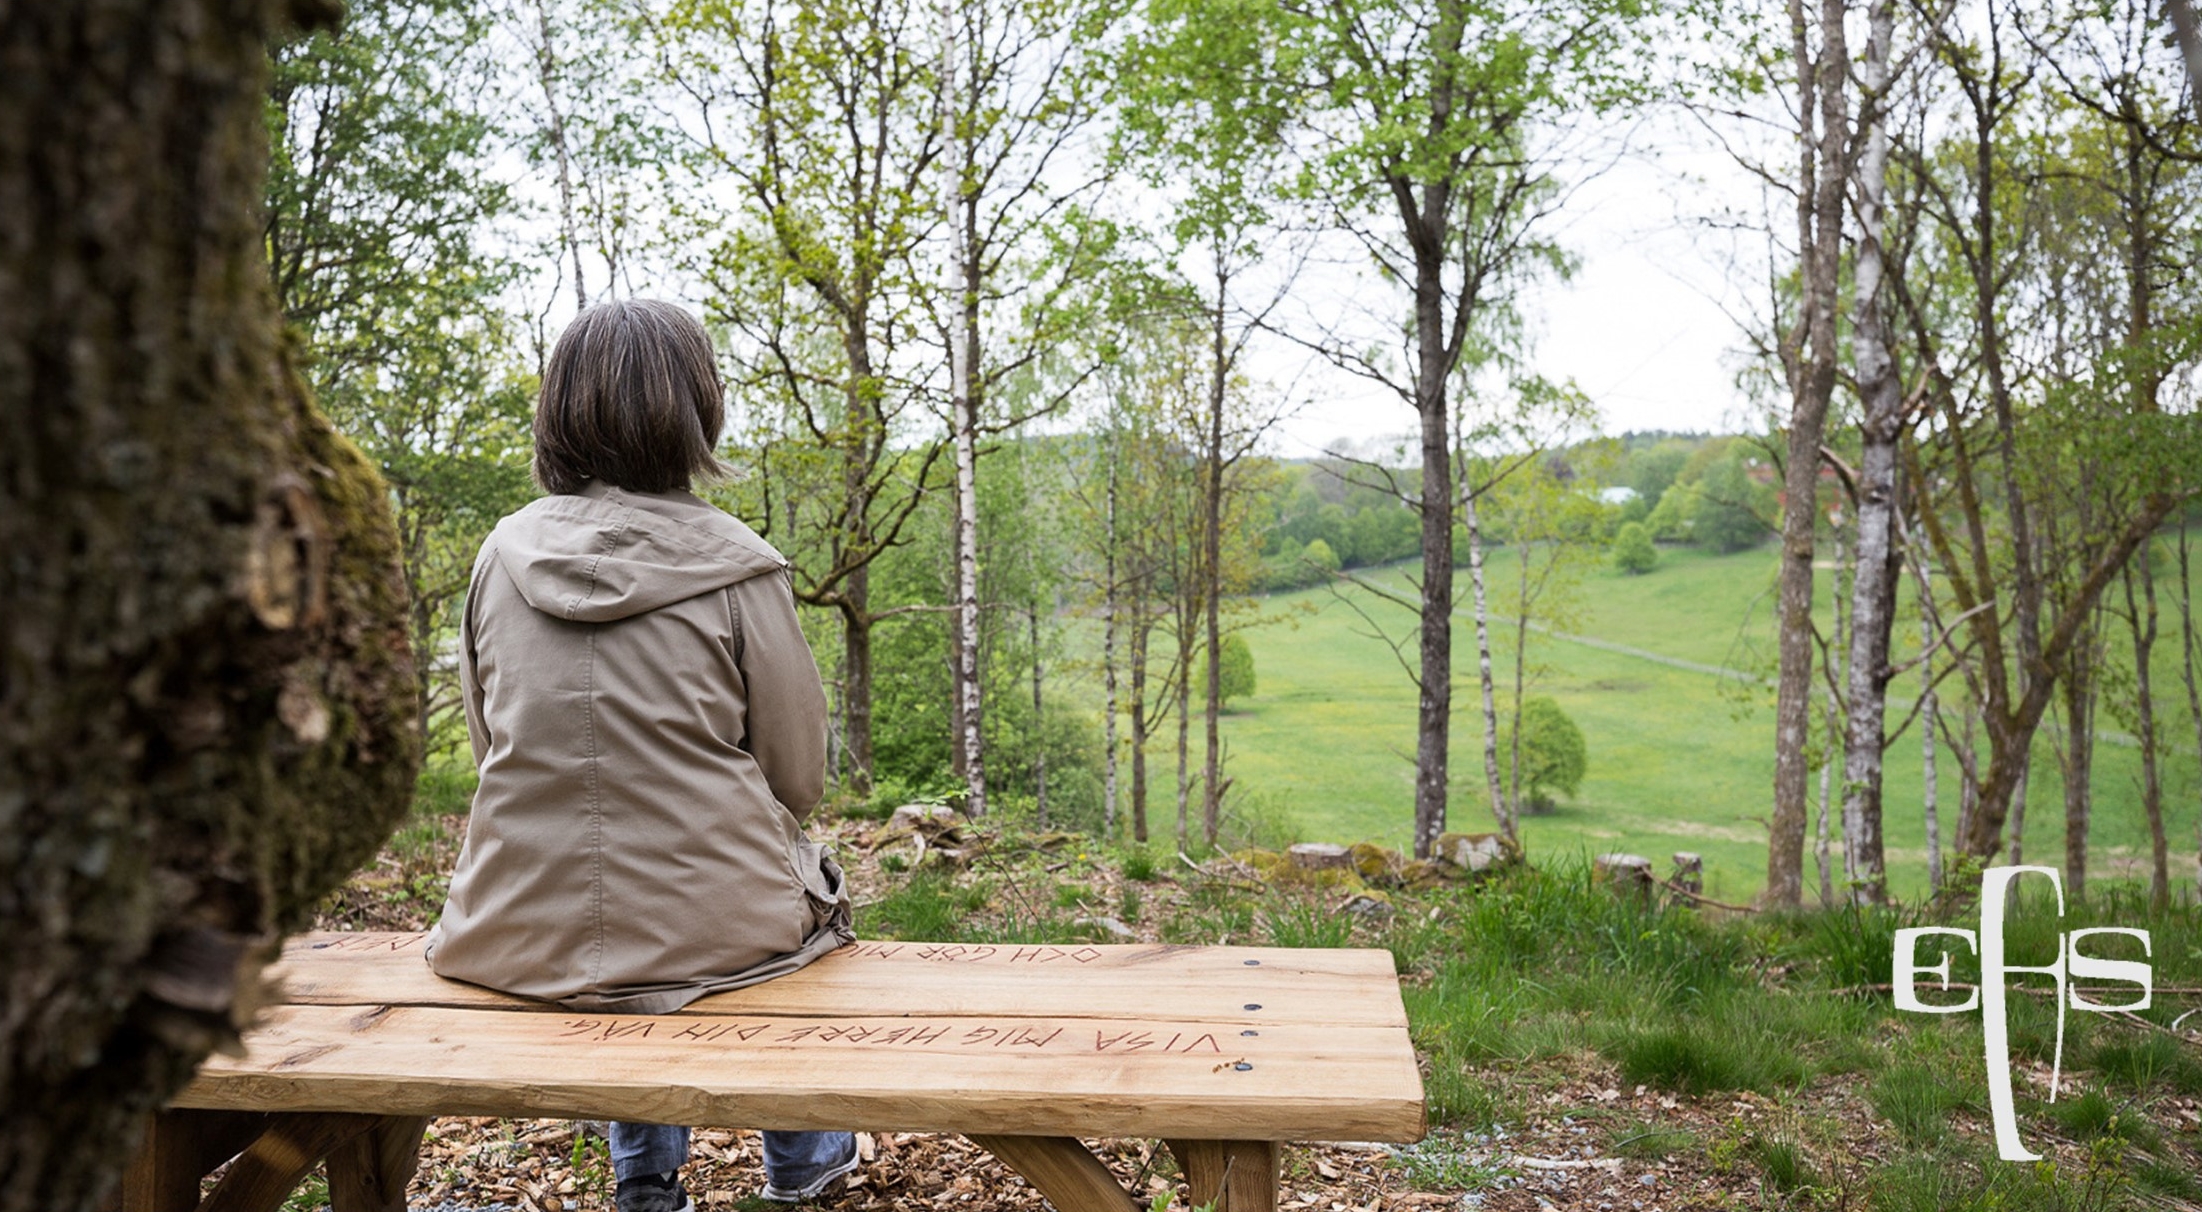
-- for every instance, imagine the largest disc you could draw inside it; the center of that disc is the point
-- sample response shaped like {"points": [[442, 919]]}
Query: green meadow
{"points": [[1681, 754]]}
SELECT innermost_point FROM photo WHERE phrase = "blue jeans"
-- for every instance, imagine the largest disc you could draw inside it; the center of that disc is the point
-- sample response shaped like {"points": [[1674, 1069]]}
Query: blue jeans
{"points": [[792, 1159]]}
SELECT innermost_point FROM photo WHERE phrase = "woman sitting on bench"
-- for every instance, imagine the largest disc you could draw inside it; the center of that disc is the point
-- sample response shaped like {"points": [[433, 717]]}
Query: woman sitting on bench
{"points": [[650, 730]]}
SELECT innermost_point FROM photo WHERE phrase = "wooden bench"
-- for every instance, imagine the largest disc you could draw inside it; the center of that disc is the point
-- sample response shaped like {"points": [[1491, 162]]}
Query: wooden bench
{"points": [[1223, 1052]]}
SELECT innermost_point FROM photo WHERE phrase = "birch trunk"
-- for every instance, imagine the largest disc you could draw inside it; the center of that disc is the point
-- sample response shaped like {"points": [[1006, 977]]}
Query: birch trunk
{"points": [[209, 710], [1822, 180], [1873, 580], [1109, 590], [1823, 840], [963, 328], [1504, 819]]}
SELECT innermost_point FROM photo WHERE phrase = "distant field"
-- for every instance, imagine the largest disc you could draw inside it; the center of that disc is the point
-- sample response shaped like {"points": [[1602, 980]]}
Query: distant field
{"points": [[1679, 759]]}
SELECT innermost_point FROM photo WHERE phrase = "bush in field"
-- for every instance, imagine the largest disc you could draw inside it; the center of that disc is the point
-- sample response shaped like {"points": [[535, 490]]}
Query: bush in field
{"points": [[1319, 554], [1633, 552], [1237, 661], [1553, 754]]}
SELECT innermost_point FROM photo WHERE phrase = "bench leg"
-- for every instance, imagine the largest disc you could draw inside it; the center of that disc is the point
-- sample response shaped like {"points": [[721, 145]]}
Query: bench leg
{"points": [[180, 1147], [1233, 1175], [261, 1178], [1073, 1179], [369, 1172]]}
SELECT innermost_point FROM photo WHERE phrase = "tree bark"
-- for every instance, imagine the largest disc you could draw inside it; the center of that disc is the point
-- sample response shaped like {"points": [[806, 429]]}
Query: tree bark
{"points": [[1109, 591], [1434, 683], [209, 712], [2141, 615], [2187, 674], [1873, 580], [963, 408], [1142, 628], [1930, 721], [1506, 821], [1822, 180], [1039, 720], [1211, 561], [1823, 837], [2078, 765]]}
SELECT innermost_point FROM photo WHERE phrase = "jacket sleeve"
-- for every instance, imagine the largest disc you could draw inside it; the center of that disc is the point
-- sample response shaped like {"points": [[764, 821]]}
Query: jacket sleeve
{"points": [[470, 677], [786, 703]]}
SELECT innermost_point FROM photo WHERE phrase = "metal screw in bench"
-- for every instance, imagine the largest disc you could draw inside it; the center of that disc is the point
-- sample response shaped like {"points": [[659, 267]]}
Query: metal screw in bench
{"points": [[1249, 1031], [1242, 1066], [1253, 963], [1253, 1005]]}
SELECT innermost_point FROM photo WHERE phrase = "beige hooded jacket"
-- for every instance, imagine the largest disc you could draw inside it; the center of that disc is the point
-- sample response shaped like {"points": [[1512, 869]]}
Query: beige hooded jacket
{"points": [[650, 731]]}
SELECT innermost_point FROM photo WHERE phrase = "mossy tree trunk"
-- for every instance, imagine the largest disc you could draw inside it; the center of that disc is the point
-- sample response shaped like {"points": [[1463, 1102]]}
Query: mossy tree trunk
{"points": [[208, 706]]}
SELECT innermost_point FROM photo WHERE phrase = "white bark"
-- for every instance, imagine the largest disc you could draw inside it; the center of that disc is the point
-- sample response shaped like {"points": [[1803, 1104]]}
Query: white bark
{"points": [[1108, 646], [1506, 821], [963, 411], [1873, 579], [1823, 840]]}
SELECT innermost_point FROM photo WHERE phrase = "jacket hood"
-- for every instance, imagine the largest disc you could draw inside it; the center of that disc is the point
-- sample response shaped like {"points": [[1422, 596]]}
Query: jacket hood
{"points": [[605, 553]]}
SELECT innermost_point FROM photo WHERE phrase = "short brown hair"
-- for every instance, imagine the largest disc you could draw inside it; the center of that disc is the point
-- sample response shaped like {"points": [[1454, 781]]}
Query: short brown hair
{"points": [[632, 397]]}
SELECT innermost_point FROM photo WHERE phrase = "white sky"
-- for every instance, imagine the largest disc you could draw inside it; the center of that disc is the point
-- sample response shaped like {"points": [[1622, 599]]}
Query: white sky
{"points": [[1641, 328]]}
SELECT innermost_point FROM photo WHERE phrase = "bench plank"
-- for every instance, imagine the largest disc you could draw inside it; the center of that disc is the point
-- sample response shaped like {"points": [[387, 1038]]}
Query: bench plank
{"points": [[917, 980], [982, 1075]]}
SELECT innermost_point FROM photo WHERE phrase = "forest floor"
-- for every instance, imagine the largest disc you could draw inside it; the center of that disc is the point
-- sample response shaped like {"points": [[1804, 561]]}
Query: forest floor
{"points": [[1581, 1051]]}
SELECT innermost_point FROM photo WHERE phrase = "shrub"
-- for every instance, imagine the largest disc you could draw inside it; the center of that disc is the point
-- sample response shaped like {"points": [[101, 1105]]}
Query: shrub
{"points": [[1237, 660], [1321, 555], [1553, 754], [1633, 552]]}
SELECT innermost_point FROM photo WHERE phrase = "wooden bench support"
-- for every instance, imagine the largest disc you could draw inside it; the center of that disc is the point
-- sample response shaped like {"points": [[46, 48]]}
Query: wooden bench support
{"points": [[1073, 1179], [1232, 1175], [370, 1158]]}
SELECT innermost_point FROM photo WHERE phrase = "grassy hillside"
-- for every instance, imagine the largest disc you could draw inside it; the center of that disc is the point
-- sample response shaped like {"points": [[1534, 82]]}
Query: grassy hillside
{"points": [[1680, 756]]}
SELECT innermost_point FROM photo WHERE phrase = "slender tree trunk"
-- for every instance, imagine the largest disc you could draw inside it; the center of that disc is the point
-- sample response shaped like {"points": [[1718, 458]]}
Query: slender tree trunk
{"points": [[1184, 692], [856, 643], [2142, 617], [1521, 682], [1039, 721], [963, 345], [1873, 582], [1142, 628], [1434, 683], [2017, 800], [2079, 766], [1212, 570], [1929, 723], [208, 715], [1822, 181], [546, 80], [1823, 838], [1505, 819], [1968, 769], [2194, 686], [1109, 591]]}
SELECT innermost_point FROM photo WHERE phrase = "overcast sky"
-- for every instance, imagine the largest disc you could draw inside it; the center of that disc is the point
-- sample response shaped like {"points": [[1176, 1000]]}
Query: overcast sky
{"points": [[1648, 327]]}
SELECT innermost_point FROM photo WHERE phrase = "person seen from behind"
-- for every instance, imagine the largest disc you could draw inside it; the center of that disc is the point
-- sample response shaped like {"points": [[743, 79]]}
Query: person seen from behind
{"points": [[650, 730]]}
